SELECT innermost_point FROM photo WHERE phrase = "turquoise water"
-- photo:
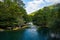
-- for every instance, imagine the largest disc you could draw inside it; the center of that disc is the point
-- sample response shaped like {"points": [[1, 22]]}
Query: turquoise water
{"points": [[27, 34]]}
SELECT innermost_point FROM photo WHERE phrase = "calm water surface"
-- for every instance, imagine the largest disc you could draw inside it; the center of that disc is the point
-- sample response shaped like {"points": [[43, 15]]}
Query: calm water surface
{"points": [[27, 34]]}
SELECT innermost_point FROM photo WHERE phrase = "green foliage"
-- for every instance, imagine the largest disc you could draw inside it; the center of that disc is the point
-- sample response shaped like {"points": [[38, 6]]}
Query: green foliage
{"points": [[30, 16], [48, 17], [11, 14]]}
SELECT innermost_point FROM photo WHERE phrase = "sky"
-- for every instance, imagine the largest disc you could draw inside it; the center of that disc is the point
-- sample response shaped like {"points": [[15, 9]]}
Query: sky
{"points": [[34, 5]]}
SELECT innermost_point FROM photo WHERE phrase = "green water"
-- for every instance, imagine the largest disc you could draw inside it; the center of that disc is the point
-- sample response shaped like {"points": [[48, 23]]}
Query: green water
{"points": [[28, 34], [11, 35]]}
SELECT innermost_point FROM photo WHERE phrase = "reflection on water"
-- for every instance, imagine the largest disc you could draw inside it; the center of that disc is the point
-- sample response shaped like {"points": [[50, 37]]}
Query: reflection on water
{"points": [[31, 34], [27, 34]]}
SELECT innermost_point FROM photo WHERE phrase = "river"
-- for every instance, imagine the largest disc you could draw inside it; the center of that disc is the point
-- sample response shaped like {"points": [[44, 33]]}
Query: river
{"points": [[26, 34]]}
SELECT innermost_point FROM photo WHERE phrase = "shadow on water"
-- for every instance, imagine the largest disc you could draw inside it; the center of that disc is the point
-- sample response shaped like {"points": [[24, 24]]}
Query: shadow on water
{"points": [[27, 34], [11, 35], [43, 34]]}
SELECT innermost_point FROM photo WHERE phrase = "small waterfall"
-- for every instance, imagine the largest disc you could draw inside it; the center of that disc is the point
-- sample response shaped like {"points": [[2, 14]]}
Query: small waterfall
{"points": [[31, 25]]}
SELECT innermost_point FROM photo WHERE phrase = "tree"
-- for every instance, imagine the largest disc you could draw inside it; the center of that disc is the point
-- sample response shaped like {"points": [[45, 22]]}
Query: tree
{"points": [[48, 17], [11, 14]]}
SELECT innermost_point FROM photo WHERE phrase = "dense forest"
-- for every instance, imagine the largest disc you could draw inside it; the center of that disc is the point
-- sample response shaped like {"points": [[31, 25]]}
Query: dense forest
{"points": [[12, 13], [47, 17]]}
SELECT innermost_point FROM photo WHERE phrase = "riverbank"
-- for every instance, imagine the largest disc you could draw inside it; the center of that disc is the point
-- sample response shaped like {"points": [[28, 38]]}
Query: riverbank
{"points": [[14, 29]]}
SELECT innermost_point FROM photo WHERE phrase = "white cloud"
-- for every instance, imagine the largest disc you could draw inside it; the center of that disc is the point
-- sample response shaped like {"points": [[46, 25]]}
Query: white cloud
{"points": [[37, 4], [33, 5], [0, 0], [53, 1]]}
